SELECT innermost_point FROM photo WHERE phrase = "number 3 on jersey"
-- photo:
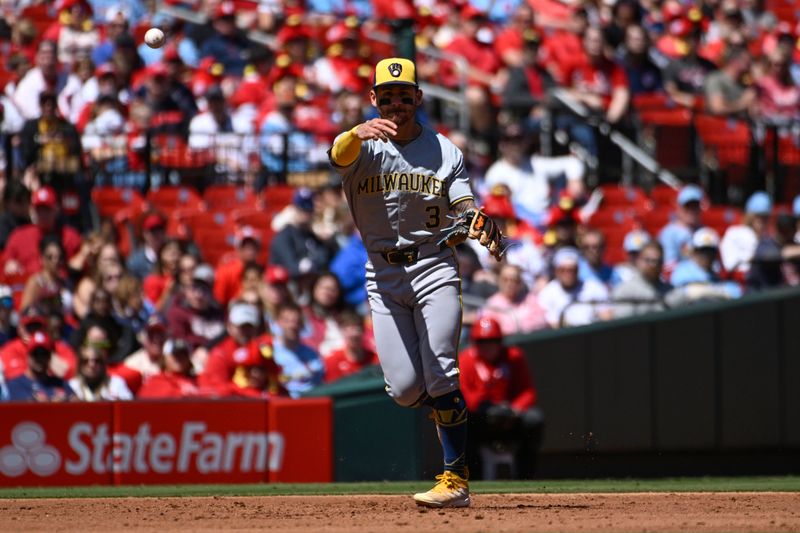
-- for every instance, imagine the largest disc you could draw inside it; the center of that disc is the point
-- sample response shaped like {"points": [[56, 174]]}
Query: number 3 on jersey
{"points": [[433, 216]]}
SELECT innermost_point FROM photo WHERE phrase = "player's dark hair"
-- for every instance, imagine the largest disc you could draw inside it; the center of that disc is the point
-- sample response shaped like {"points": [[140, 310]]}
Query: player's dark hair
{"points": [[51, 240], [288, 306], [252, 266]]}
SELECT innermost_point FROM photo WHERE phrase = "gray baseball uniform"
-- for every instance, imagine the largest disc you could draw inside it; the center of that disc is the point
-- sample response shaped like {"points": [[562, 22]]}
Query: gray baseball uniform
{"points": [[399, 196]]}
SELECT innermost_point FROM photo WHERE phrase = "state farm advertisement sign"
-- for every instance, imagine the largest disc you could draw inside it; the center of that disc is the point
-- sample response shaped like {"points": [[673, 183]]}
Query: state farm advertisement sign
{"points": [[164, 442]]}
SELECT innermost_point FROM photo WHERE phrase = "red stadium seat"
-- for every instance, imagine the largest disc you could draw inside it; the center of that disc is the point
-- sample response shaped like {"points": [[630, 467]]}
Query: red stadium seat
{"points": [[655, 220], [720, 217], [624, 197], [170, 197], [728, 141], [215, 243], [109, 201], [229, 197], [652, 101], [668, 132], [611, 217], [664, 196], [278, 195]]}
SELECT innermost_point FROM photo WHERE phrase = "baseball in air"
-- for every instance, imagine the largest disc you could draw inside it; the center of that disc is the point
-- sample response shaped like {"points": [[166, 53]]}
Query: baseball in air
{"points": [[154, 38]]}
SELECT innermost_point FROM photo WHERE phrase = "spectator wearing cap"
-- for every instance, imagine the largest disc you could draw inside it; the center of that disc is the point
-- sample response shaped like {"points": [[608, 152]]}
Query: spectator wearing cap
{"points": [[228, 43], [296, 247], [149, 359], [228, 277], [37, 384], [14, 354], [344, 66], [354, 354], [501, 398], [171, 103], [643, 291], [592, 245], [51, 147], [8, 330], [93, 383], [684, 78], [48, 288], [243, 328], [195, 316], [702, 266], [740, 241], [142, 260], [598, 83], [46, 75], [514, 306], [725, 91], [177, 379], [644, 76], [525, 93], [533, 179], [302, 369], [16, 209], [74, 31], [632, 244], [21, 255], [275, 291], [522, 238], [675, 236], [570, 301], [257, 375]]}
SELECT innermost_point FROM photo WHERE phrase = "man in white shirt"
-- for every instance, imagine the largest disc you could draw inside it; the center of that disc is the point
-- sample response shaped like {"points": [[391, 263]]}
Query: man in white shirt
{"points": [[44, 76], [529, 176], [567, 300], [740, 241]]}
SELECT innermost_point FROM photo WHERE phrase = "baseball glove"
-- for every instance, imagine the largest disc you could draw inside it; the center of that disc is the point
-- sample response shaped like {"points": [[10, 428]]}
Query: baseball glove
{"points": [[475, 224]]}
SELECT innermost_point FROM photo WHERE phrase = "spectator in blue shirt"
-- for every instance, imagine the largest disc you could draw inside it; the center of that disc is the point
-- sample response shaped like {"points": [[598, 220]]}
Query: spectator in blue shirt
{"points": [[302, 368], [676, 235], [37, 384], [701, 267], [591, 265], [349, 265]]}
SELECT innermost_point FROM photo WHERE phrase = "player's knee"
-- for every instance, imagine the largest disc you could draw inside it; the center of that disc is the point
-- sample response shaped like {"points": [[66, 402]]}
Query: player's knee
{"points": [[450, 409], [413, 395]]}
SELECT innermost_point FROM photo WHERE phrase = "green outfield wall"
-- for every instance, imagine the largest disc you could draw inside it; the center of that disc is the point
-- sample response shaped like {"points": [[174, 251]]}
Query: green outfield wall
{"points": [[707, 389]]}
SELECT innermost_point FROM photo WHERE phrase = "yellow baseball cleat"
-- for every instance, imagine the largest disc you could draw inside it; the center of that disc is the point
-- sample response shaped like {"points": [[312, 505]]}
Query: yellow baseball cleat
{"points": [[451, 490]]}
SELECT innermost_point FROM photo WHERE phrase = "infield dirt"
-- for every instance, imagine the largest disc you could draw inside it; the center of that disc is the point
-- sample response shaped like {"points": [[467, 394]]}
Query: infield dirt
{"points": [[730, 511]]}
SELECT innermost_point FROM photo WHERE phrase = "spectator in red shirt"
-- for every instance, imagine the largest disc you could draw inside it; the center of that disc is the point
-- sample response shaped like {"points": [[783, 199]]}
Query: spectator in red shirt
{"points": [[501, 398], [481, 65], [598, 83], [177, 379], [354, 354], [509, 43], [327, 300], [14, 354], [228, 277], [159, 284], [233, 350], [778, 96], [21, 256]]}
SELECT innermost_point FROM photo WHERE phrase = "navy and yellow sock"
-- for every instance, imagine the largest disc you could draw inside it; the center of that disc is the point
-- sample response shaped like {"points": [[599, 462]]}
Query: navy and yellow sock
{"points": [[450, 415]]}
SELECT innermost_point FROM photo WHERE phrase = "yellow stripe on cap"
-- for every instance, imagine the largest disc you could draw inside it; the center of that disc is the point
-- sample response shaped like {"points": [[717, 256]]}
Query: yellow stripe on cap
{"points": [[395, 70]]}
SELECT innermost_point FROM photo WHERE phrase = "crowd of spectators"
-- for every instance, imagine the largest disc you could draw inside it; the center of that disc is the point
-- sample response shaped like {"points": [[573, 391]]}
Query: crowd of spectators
{"points": [[85, 313]]}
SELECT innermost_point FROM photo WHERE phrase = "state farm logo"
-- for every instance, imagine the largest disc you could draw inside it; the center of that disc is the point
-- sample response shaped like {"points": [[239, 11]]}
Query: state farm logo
{"points": [[28, 451], [97, 449]]}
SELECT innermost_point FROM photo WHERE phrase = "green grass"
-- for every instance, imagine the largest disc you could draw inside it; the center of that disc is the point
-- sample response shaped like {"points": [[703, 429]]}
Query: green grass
{"points": [[705, 484]]}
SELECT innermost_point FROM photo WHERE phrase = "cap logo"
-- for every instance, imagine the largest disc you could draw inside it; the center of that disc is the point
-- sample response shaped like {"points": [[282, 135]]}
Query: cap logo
{"points": [[395, 69]]}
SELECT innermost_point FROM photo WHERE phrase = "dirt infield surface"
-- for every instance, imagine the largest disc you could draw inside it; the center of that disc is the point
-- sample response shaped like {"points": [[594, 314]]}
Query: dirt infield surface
{"points": [[731, 511]]}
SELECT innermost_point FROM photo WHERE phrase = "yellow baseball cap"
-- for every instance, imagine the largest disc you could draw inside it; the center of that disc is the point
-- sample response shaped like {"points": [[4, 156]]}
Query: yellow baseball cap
{"points": [[395, 70]]}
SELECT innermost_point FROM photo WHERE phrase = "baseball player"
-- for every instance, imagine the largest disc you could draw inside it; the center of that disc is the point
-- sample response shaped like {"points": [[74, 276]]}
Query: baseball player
{"points": [[411, 200]]}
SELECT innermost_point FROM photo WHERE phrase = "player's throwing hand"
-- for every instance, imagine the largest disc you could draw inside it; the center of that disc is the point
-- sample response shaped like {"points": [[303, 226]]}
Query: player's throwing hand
{"points": [[377, 128]]}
